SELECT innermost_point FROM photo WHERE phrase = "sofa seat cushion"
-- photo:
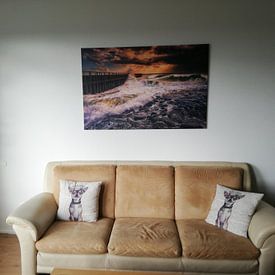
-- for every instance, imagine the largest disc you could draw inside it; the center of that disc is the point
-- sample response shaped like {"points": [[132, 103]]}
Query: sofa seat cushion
{"points": [[76, 237], [145, 237], [201, 240]]}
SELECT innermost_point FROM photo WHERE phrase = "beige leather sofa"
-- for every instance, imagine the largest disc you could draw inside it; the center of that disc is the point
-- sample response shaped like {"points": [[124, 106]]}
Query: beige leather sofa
{"points": [[151, 218]]}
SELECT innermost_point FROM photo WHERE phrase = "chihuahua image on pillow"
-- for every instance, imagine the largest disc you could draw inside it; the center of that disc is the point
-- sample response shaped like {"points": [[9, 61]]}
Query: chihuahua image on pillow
{"points": [[230, 197], [75, 208]]}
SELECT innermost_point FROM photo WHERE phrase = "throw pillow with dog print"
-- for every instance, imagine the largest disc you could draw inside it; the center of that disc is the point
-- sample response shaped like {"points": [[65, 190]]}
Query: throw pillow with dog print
{"points": [[78, 201], [232, 210]]}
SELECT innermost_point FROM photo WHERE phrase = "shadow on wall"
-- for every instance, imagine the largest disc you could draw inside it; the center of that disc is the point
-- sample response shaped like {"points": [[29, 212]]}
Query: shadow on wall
{"points": [[260, 186]]}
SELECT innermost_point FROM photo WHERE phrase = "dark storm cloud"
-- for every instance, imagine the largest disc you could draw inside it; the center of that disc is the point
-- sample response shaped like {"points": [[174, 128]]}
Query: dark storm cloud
{"points": [[181, 58]]}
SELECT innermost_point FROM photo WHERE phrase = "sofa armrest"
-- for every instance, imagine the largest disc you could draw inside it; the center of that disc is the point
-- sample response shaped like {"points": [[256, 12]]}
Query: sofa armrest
{"points": [[261, 232], [36, 214], [262, 225]]}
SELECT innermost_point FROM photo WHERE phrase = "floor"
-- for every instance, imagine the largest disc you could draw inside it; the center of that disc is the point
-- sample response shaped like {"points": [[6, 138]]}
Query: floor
{"points": [[9, 255]]}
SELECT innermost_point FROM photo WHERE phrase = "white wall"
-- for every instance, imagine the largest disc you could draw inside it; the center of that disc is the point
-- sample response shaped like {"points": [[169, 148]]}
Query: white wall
{"points": [[41, 116]]}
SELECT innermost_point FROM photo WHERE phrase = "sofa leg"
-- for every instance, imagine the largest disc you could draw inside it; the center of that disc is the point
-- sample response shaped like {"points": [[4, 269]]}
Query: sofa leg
{"points": [[27, 249]]}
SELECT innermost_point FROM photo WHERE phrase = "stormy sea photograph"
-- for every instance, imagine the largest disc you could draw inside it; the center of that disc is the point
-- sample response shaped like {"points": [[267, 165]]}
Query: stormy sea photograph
{"points": [[156, 87]]}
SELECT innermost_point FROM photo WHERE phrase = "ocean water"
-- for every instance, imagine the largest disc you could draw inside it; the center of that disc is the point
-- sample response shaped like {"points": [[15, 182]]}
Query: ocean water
{"points": [[172, 101]]}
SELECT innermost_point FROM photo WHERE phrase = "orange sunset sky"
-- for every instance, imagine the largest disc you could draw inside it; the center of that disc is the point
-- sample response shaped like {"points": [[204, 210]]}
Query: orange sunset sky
{"points": [[147, 60]]}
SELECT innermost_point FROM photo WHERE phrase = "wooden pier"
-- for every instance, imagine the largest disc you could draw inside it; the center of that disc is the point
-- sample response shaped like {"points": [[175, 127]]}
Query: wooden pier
{"points": [[97, 82]]}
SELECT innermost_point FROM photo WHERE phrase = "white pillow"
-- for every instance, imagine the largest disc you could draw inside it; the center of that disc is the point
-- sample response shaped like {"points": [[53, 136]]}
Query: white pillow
{"points": [[232, 209], [78, 201]]}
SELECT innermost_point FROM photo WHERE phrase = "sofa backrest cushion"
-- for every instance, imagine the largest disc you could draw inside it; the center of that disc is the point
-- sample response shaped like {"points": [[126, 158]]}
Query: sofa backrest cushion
{"points": [[195, 188], [85, 172], [145, 191]]}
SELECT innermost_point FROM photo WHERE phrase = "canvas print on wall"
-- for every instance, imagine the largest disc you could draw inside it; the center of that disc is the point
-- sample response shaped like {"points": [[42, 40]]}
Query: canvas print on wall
{"points": [[157, 87]]}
